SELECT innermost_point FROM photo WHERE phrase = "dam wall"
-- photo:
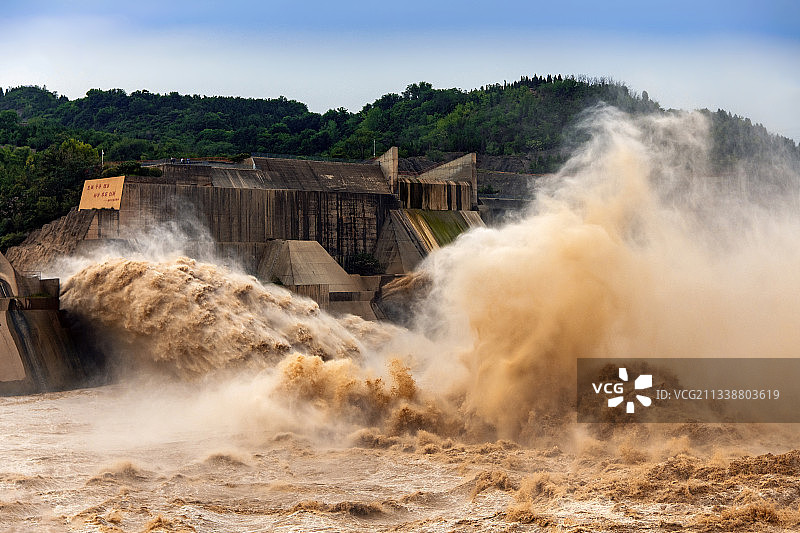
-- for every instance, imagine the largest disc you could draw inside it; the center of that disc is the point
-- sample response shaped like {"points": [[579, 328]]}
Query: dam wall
{"points": [[366, 217], [344, 223], [37, 352]]}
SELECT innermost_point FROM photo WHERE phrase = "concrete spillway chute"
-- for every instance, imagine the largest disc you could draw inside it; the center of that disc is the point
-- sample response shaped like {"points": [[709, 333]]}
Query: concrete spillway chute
{"points": [[36, 350]]}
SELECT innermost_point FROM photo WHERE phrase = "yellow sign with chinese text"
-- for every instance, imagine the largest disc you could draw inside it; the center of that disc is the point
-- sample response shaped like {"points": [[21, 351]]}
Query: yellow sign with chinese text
{"points": [[103, 193]]}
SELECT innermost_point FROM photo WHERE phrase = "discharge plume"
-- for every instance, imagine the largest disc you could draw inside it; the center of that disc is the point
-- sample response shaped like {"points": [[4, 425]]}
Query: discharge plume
{"points": [[631, 250], [191, 318]]}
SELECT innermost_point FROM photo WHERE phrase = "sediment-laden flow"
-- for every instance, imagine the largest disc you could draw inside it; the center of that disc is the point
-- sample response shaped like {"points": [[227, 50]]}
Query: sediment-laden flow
{"points": [[241, 407], [192, 318]]}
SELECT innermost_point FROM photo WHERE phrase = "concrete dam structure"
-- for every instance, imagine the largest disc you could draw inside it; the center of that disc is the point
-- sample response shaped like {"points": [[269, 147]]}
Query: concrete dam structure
{"points": [[36, 349], [300, 223]]}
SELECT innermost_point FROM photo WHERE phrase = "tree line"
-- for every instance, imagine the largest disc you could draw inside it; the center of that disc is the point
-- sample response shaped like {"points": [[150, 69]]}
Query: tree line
{"points": [[513, 118]]}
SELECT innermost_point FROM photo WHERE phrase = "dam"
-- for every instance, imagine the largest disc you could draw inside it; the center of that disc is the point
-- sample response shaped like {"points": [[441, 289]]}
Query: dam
{"points": [[308, 225], [37, 353], [333, 231]]}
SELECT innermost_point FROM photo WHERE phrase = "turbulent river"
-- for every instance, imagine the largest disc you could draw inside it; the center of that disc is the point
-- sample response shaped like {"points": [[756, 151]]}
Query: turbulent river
{"points": [[236, 406], [110, 459]]}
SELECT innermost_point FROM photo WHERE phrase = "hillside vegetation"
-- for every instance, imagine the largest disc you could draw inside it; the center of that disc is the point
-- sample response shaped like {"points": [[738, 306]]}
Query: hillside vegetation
{"points": [[50, 144]]}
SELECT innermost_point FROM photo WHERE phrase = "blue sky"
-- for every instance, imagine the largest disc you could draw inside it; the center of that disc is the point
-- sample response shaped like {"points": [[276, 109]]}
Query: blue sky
{"points": [[740, 56]]}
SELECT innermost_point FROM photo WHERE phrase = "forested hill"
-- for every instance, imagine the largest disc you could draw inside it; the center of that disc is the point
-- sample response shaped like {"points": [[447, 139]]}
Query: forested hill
{"points": [[50, 144], [526, 117]]}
